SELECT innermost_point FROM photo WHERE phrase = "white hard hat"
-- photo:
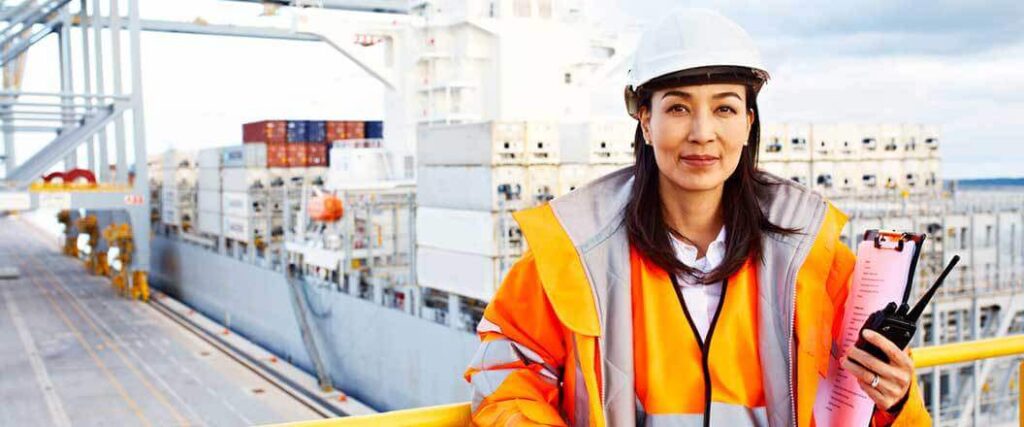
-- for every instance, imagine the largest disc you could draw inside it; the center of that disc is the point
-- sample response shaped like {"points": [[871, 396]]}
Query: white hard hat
{"points": [[701, 40]]}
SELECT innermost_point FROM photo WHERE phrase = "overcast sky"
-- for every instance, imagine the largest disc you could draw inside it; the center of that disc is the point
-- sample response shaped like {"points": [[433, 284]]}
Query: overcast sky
{"points": [[956, 64]]}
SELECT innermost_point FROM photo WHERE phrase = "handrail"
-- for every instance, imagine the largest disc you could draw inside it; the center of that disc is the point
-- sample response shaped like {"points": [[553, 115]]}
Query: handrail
{"points": [[455, 414], [968, 351], [458, 414]]}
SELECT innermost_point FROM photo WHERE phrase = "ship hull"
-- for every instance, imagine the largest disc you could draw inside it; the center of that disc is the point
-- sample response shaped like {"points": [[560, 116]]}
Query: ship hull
{"points": [[384, 357]]}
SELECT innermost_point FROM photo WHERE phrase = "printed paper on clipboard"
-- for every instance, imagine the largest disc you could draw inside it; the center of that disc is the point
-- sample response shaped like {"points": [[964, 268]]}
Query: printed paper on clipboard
{"points": [[885, 267]]}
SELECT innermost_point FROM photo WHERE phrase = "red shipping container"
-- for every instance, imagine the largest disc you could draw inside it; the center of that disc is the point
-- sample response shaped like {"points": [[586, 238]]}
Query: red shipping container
{"points": [[316, 154], [298, 154], [355, 130], [335, 130], [277, 155], [266, 131]]}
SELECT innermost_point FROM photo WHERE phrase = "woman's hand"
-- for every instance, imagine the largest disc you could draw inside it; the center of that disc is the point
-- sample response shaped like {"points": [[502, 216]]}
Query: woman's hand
{"points": [[894, 378]]}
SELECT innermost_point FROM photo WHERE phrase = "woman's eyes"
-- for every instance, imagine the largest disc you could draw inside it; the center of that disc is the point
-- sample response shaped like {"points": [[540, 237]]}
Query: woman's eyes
{"points": [[679, 108]]}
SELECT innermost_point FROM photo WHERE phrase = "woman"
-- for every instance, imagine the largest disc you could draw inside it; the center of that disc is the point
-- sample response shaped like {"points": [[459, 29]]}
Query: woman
{"points": [[690, 289]]}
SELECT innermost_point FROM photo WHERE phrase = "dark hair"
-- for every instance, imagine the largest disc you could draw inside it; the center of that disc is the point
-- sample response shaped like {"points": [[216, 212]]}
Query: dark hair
{"points": [[744, 220]]}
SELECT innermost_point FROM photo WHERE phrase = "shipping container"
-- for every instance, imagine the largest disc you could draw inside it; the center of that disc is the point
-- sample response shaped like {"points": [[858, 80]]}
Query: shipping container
{"points": [[267, 131], [297, 131], [595, 142], [316, 154], [172, 196], [246, 229], [175, 159], [277, 155], [374, 129], [542, 143], [316, 131], [252, 155], [335, 131], [298, 155], [244, 179], [541, 184], [208, 201], [244, 204], [798, 139], [571, 177], [179, 177], [209, 180], [487, 143], [355, 130], [474, 232], [170, 215], [474, 276], [209, 158], [356, 166], [209, 223], [475, 188]]}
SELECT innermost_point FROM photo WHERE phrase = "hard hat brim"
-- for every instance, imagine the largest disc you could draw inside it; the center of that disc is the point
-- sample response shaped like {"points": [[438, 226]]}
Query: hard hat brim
{"points": [[753, 77]]}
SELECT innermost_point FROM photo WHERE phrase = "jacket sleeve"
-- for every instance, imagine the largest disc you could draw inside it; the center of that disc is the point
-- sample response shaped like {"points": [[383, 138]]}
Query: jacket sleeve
{"points": [[516, 372], [913, 412]]}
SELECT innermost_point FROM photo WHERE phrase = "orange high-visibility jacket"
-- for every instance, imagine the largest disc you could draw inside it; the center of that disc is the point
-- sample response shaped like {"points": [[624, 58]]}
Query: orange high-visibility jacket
{"points": [[585, 332]]}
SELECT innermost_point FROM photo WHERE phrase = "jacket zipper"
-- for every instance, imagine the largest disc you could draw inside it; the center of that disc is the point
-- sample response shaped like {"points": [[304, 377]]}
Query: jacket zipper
{"points": [[705, 344], [792, 358], [791, 278]]}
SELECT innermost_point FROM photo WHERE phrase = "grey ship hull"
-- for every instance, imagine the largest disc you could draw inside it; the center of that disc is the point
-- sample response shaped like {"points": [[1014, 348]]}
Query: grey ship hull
{"points": [[383, 357]]}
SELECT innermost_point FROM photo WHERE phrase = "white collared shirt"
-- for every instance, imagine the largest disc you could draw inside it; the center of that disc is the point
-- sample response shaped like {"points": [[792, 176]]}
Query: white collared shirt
{"points": [[701, 300]]}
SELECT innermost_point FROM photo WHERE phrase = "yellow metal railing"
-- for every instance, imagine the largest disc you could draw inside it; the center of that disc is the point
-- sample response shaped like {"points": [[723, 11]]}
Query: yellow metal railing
{"points": [[458, 414]]}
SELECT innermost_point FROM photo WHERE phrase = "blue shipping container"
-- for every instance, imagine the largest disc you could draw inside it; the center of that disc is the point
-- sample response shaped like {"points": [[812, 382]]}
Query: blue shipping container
{"points": [[374, 130], [316, 131], [297, 131]]}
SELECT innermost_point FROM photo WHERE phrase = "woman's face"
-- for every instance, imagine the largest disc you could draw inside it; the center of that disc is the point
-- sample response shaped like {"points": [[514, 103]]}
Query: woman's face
{"points": [[698, 133]]}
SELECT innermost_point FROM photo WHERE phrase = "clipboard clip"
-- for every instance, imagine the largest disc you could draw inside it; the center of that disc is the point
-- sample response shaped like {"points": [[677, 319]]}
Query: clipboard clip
{"points": [[892, 239]]}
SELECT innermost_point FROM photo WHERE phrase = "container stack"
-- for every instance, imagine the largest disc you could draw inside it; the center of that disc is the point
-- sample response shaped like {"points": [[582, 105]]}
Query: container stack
{"points": [[155, 165], [307, 143], [244, 196], [852, 160], [470, 178], [208, 198], [178, 208], [593, 149]]}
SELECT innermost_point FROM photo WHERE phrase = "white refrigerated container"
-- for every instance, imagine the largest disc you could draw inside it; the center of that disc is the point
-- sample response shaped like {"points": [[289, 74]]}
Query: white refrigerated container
{"points": [[481, 188]]}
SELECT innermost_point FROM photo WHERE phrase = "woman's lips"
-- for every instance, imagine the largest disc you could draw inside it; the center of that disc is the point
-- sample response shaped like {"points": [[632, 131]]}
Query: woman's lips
{"points": [[699, 161]]}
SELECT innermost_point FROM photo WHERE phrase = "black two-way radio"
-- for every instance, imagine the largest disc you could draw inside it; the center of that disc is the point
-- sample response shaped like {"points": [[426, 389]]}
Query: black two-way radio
{"points": [[899, 324]]}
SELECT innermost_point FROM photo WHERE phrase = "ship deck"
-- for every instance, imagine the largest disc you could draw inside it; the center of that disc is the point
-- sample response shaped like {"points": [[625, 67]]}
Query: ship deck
{"points": [[72, 352]]}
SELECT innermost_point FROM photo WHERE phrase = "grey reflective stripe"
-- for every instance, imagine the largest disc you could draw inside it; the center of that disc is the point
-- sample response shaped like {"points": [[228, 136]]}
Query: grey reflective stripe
{"points": [[498, 352], [725, 414], [485, 383], [675, 420], [503, 351], [722, 414], [592, 217]]}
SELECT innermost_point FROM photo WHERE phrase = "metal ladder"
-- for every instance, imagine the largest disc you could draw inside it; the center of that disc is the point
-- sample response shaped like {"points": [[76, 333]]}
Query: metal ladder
{"points": [[300, 307]]}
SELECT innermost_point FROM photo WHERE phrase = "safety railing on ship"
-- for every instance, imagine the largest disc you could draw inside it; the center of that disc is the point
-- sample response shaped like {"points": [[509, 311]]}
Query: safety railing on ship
{"points": [[924, 357]]}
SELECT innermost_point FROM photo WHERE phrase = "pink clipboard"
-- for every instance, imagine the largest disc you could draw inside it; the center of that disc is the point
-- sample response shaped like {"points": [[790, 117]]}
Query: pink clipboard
{"points": [[885, 266]]}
